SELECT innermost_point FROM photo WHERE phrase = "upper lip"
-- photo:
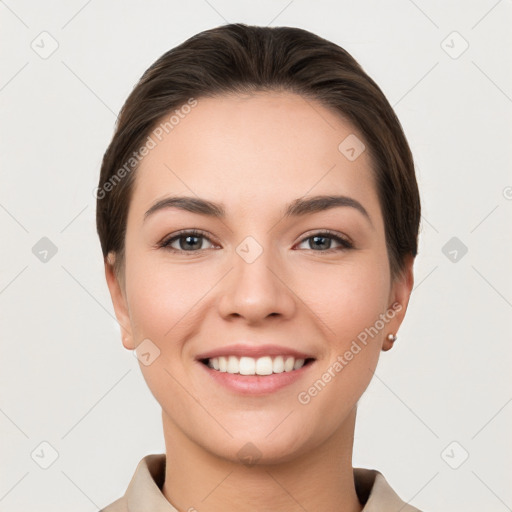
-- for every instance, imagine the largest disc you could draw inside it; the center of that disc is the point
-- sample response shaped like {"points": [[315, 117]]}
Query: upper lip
{"points": [[254, 351]]}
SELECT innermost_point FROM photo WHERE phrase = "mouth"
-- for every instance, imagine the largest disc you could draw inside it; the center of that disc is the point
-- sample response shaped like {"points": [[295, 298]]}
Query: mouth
{"points": [[255, 369], [261, 366]]}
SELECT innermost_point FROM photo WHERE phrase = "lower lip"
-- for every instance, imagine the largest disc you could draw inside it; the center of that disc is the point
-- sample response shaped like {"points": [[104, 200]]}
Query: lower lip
{"points": [[256, 384]]}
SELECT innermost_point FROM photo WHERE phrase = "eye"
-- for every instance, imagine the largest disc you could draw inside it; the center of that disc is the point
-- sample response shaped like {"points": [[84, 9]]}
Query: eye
{"points": [[191, 241], [188, 241], [323, 240]]}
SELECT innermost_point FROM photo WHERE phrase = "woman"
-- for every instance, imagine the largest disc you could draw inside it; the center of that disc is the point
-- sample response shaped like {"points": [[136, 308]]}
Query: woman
{"points": [[258, 214]]}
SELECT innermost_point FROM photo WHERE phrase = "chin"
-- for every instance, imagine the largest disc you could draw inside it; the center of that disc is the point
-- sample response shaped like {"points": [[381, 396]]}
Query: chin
{"points": [[260, 448]]}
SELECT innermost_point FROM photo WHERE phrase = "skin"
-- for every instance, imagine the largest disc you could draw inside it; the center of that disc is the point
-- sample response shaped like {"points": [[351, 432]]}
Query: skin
{"points": [[255, 154]]}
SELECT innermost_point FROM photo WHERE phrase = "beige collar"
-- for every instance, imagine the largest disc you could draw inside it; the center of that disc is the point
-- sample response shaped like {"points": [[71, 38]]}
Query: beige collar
{"points": [[144, 490]]}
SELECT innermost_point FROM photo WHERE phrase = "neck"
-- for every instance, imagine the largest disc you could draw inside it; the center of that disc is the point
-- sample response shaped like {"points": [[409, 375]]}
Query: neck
{"points": [[320, 479]]}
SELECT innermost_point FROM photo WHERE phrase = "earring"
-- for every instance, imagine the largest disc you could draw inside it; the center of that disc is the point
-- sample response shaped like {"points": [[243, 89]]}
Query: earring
{"points": [[392, 338]]}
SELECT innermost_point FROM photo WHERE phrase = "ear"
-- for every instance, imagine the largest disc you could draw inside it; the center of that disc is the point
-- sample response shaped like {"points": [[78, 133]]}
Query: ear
{"points": [[118, 296], [399, 295]]}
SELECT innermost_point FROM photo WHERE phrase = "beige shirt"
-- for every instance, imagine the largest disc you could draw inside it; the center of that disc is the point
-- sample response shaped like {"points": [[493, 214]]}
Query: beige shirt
{"points": [[144, 490]]}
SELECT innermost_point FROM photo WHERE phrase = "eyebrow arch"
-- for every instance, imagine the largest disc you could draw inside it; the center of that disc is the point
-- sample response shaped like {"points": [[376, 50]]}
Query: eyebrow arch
{"points": [[296, 208]]}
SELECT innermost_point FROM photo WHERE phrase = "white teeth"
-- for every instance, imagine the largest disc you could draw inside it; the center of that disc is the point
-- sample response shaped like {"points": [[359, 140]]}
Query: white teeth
{"points": [[299, 363], [278, 364], [250, 366], [288, 364], [263, 365], [233, 366], [247, 366]]}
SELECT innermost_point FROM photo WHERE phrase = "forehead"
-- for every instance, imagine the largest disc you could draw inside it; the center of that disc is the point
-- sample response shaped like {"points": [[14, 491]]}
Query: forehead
{"points": [[245, 151]]}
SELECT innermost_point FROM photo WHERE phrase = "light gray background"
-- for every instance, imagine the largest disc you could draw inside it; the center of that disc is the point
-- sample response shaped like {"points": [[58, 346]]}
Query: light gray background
{"points": [[65, 377]]}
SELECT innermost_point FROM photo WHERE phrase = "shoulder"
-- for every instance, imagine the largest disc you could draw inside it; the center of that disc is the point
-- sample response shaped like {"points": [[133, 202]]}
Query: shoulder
{"points": [[144, 487], [376, 494], [119, 505]]}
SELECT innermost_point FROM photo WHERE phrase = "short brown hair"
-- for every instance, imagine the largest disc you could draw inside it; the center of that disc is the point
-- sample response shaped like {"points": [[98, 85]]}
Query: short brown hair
{"points": [[241, 59]]}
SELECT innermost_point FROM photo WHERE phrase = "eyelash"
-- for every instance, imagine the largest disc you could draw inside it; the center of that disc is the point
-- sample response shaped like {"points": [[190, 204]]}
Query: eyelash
{"points": [[345, 243]]}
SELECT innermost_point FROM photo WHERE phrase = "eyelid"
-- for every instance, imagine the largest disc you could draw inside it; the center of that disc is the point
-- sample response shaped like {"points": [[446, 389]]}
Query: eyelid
{"points": [[345, 241], [330, 232], [166, 241]]}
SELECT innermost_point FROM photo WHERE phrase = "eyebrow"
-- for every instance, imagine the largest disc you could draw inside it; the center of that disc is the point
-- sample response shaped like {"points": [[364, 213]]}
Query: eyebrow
{"points": [[297, 208]]}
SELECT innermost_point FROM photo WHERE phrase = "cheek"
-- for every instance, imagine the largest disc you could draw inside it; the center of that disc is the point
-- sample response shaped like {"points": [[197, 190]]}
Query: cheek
{"points": [[351, 305], [164, 302], [163, 299], [348, 298]]}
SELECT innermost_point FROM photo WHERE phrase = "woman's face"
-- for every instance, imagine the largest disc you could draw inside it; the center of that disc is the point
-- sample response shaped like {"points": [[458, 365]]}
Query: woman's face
{"points": [[258, 276]]}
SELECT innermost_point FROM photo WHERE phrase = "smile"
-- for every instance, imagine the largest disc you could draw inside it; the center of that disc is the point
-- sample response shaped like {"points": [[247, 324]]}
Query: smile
{"points": [[265, 365]]}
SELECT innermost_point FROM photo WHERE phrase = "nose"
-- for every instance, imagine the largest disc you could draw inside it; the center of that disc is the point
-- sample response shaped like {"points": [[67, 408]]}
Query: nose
{"points": [[257, 290]]}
